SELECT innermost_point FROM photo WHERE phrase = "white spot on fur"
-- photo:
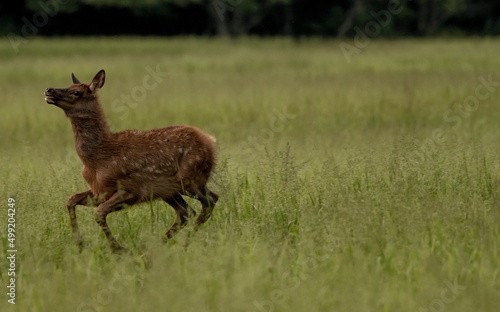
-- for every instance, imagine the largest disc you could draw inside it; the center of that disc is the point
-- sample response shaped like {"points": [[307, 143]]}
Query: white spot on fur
{"points": [[212, 138]]}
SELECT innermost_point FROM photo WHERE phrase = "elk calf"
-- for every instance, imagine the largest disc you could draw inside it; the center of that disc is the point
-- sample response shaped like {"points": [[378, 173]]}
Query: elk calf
{"points": [[130, 167]]}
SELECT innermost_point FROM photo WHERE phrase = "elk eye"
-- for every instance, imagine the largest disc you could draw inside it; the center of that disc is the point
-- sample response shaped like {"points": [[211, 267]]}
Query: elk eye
{"points": [[77, 93]]}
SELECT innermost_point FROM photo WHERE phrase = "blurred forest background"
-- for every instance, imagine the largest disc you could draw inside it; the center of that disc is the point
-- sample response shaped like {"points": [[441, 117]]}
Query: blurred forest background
{"points": [[339, 18]]}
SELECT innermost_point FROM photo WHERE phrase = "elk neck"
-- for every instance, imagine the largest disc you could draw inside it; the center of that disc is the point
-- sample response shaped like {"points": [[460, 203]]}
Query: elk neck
{"points": [[91, 134]]}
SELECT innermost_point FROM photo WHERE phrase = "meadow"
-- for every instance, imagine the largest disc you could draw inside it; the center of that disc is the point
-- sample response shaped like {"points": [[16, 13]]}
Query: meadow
{"points": [[369, 185]]}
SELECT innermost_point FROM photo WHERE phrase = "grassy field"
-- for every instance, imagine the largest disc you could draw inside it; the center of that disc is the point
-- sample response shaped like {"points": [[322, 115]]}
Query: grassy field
{"points": [[370, 185]]}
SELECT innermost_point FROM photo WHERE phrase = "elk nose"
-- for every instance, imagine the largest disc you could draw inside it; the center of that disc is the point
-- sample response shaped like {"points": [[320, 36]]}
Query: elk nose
{"points": [[48, 90]]}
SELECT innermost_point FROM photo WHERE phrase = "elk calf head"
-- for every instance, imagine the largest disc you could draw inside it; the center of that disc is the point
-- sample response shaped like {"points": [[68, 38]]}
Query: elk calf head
{"points": [[78, 97]]}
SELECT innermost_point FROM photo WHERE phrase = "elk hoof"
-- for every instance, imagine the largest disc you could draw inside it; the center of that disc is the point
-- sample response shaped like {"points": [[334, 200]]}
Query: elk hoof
{"points": [[117, 249]]}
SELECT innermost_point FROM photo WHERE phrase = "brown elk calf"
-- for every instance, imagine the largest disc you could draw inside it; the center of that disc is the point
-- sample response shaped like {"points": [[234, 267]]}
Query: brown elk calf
{"points": [[132, 166]]}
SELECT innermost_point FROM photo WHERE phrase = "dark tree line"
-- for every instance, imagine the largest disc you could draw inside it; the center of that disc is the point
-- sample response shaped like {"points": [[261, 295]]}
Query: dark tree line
{"points": [[249, 17]]}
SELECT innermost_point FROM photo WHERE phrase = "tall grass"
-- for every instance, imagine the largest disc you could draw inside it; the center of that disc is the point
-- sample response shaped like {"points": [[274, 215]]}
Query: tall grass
{"points": [[362, 186]]}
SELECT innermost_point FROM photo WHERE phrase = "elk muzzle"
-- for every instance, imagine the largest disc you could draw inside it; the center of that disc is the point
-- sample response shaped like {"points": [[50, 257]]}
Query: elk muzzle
{"points": [[50, 96]]}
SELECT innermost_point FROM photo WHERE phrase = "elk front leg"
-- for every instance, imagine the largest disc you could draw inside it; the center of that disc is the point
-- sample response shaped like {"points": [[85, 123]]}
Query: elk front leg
{"points": [[83, 198], [114, 203]]}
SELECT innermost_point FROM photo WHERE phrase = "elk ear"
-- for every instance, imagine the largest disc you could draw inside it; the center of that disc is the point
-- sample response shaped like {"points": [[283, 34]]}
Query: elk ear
{"points": [[75, 81], [98, 81]]}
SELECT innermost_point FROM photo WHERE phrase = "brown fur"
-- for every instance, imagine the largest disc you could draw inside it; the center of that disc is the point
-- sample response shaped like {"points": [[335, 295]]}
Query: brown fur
{"points": [[134, 166]]}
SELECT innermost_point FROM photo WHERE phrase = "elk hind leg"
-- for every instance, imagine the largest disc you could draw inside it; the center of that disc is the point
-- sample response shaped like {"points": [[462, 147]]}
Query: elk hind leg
{"points": [[208, 200], [182, 211]]}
